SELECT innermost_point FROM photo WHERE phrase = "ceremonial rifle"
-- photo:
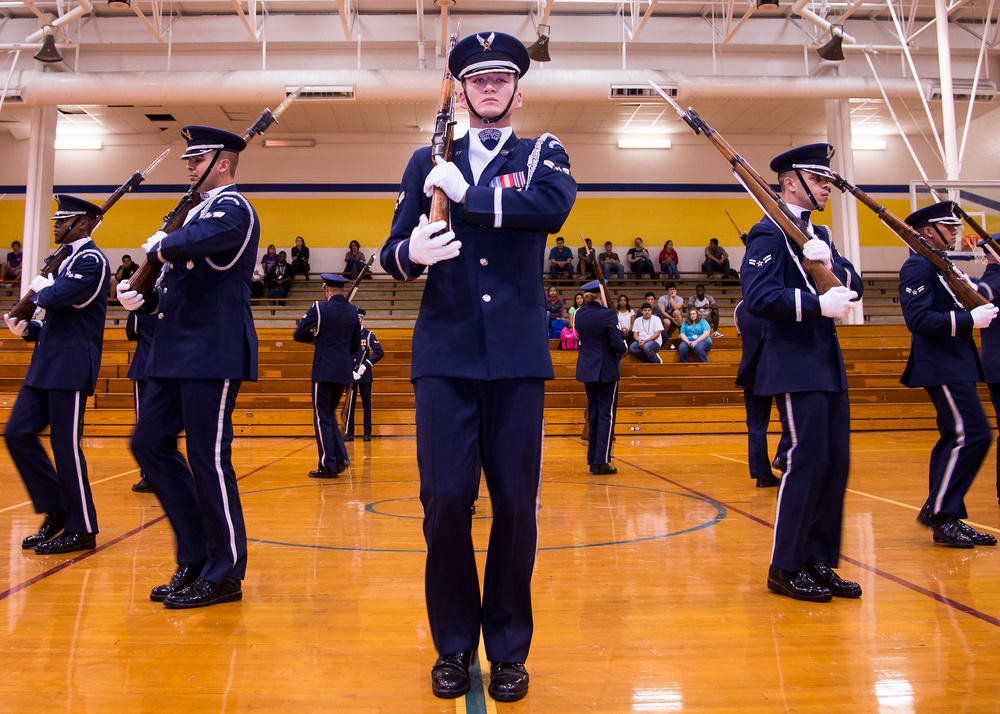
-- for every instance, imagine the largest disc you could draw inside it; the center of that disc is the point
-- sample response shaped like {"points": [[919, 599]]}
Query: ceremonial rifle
{"points": [[352, 390], [444, 137], [25, 308], [144, 279], [957, 280], [742, 234], [766, 198]]}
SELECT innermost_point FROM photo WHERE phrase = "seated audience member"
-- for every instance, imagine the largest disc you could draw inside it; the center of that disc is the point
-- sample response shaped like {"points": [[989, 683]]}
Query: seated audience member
{"points": [[672, 306], [11, 268], [669, 261], [554, 305], [354, 260], [577, 304], [125, 271], [611, 265], [650, 299], [639, 260], [279, 280], [585, 266], [625, 317], [646, 331], [300, 257], [257, 281], [695, 337], [560, 260], [707, 308], [716, 260], [269, 259]]}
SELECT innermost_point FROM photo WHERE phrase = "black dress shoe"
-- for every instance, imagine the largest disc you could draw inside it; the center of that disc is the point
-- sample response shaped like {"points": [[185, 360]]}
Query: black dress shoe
{"points": [[53, 523], [142, 486], [947, 529], [322, 473], [367, 437], [508, 681], [972, 534], [450, 675], [779, 464], [342, 467], [768, 482], [202, 593], [838, 587], [67, 543], [349, 437], [603, 469], [183, 576], [798, 585]]}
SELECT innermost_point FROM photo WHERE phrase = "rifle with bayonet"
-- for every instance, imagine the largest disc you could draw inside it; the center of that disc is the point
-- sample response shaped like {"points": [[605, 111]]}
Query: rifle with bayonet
{"points": [[144, 279], [444, 138], [957, 280], [25, 308], [741, 234], [766, 198]]}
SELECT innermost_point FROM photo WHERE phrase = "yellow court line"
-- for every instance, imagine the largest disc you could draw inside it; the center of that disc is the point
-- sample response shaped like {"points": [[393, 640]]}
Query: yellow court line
{"points": [[92, 483]]}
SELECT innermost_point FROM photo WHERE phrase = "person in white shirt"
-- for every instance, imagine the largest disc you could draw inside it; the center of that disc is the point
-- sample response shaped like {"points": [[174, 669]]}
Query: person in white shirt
{"points": [[646, 331]]}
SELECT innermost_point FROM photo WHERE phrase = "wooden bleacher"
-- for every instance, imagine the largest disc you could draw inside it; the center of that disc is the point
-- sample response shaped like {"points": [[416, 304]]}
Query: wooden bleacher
{"points": [[671, 398]]}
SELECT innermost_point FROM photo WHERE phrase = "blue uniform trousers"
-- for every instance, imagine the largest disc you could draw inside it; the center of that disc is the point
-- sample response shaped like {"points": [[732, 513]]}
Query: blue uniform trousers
{"points": [[959, 452], [64, 487], [758, 420], [365, 389], [995, 398], [201, 500], [462, 424], [602, 411], [329, 440], [810, 510]]}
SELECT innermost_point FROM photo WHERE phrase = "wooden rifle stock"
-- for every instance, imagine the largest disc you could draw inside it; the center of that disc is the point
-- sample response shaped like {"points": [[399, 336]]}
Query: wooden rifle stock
{"points": [[957, 280], [25, 308], [444, 137], [762, 192], [144, 279]]}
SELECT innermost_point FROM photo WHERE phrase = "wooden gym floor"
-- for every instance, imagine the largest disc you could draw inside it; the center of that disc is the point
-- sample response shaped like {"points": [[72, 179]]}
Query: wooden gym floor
{"points": [[649, 592]]}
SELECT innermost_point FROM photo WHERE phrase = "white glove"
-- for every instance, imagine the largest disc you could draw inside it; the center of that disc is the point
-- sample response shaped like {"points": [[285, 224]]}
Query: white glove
{"points": [[152, 243], [18, 327], [983, 315], [818, 251], [357, 376], [362, 369], [129, 298], [836, 302], [40, 282], [446, 176], [426, 249]]}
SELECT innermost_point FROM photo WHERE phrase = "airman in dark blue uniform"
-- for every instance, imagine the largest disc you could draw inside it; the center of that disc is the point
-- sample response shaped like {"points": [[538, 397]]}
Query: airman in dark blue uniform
{"points": [[798, 361], [205, 345], [139, 328], [598, 361], [480, 360], [332, 327], [365, 358], [944, 361], [63, 373], [989, 285]]}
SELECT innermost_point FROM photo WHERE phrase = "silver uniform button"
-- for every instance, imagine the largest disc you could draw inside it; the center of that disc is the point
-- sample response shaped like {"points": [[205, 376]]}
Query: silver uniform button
{"points": [[484, 262], [487, 298], [159, 316]]}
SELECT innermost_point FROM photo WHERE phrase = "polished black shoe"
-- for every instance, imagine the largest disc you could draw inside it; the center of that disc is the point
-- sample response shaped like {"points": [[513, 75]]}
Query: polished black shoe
{"points": [[53, 523], [779, 464], [450, 675], [142, 486], [349, 437], [342, 467], [322, 473], [768, 482], [367, 437], [798, 585], [202, 593], [68, 542], [977, 537], [508, 681], [184, 575], [838, 587], [603, 469], [947, 530]]}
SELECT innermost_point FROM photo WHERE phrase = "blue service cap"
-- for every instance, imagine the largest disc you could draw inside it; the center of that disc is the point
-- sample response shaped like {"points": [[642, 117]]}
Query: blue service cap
{"points": [[69, 206], [594, 286], [333, 280], [942, 213], [814, 158], [202, 139], [362, 311], [488, 52]]}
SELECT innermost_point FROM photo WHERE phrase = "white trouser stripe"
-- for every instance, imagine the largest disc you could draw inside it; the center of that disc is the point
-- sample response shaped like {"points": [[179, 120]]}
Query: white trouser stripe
{"points": [[76, 462], [319, 431], [611, 416], [218, 470], [788, 467], [949, 470]]}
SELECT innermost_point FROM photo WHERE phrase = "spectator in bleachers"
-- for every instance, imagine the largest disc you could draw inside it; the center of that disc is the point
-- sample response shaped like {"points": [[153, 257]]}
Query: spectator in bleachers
{"points": [[560, 261], [125, 271], [625, 317], [585, 266], [300, 257], [650, 299], [646, 331], [279, 280], [695, 337], [354, 260], [707, 308], [672, 307], [11, 269], [639, 260], [554, 305], [611, 264], [669, 261], [716, 260], [257, 281], [269, 259], [577, 304]]}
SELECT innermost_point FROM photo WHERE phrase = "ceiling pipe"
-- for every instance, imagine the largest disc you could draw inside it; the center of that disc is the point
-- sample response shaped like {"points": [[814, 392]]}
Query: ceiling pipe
{"points": [[82, 8], [205, 88]]}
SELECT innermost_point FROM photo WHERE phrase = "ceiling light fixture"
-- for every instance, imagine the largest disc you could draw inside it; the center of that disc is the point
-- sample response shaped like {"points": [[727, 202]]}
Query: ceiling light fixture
{"points": [[78, 143], [868, 144], [644, 143], [288, 143]]}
